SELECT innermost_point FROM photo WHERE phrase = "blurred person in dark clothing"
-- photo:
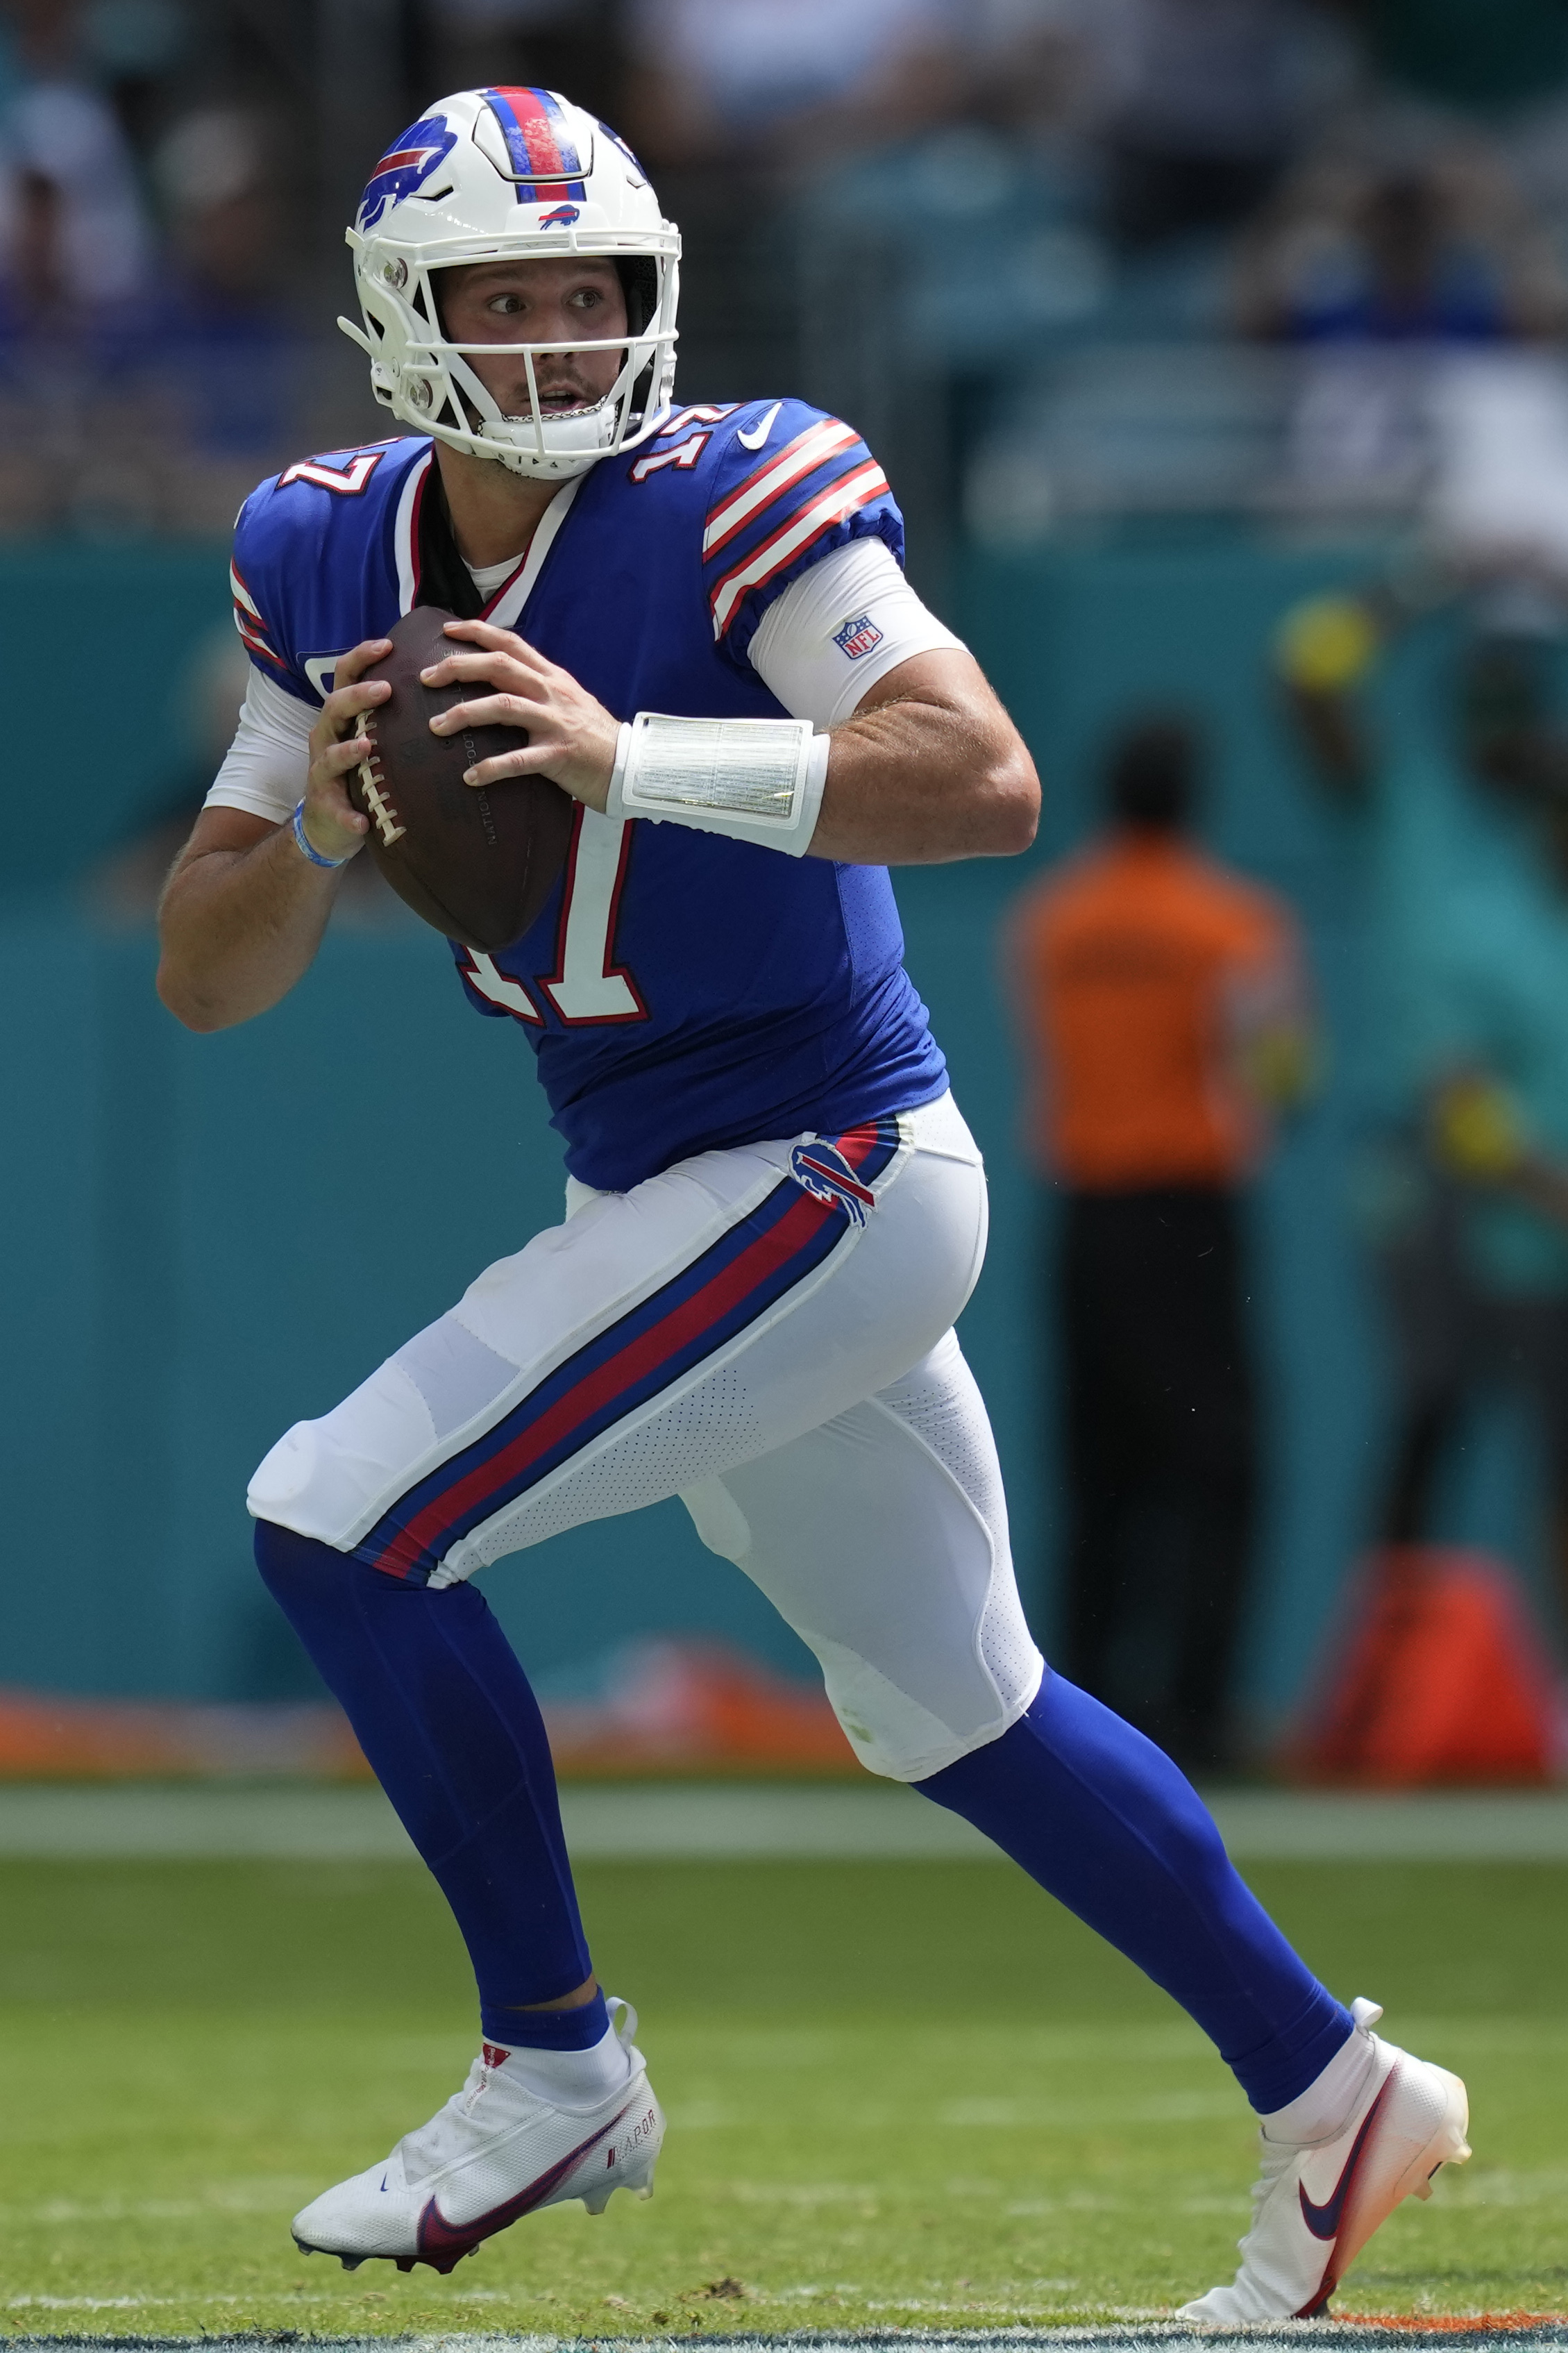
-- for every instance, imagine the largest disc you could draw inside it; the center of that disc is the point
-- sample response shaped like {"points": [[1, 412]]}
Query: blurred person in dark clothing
{"points": [[740, 106], [781, 81], [556, 44], [1441, 249], [1162, 1003], [1202, 103], [214, 356]]}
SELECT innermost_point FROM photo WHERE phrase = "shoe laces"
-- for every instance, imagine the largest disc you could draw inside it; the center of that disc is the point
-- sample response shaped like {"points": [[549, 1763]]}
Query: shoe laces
{"points": [[1277, 2157]]}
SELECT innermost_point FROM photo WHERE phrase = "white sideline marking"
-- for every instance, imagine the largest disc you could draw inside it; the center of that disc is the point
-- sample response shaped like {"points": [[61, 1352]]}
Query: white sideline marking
{"points": [[1128, 2331], [655, 1820]]}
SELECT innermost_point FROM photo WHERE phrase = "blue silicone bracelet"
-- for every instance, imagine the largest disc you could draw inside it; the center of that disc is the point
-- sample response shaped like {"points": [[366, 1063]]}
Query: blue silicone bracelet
{"points": [[303, 840]]}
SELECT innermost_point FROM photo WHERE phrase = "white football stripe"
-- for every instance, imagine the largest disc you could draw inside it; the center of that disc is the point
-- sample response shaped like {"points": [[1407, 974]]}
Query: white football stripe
{"points": [[242, 594]]}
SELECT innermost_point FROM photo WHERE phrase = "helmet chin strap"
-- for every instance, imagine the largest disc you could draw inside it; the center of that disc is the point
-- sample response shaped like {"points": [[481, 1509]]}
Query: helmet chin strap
{"points": [[586, 433], [538, 445]]}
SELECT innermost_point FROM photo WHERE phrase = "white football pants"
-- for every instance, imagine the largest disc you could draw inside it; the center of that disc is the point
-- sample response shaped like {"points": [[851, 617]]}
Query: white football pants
{"points": [[766, 1333]]}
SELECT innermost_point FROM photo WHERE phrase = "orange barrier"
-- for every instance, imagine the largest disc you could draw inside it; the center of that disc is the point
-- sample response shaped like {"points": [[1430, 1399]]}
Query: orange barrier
{"points": [[681, 1707], [1438, 1676], [665, 1708]]}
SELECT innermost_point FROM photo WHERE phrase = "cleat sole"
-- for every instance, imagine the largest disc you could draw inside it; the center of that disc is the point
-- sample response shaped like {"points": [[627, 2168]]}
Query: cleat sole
{"points": [[595, 2201]]}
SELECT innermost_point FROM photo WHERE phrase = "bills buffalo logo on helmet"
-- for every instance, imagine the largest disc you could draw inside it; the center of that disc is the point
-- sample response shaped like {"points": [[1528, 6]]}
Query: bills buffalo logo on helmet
{"points": [[562, 218], [406, 167]]}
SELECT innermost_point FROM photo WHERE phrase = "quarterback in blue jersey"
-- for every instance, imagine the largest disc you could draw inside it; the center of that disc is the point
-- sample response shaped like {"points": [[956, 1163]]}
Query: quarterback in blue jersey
{"points": [[774, 1211]]}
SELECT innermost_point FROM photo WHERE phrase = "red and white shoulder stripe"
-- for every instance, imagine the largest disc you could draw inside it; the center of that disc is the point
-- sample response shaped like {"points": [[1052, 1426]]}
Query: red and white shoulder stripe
{"points": [[248, 620]]}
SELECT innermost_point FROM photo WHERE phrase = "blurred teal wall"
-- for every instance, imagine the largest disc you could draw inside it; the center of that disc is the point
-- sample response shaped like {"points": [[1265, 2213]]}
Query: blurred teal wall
{"points": [[209, 1238]]}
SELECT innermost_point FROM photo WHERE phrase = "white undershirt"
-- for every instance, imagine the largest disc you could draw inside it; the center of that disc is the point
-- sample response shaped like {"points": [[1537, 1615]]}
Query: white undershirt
{"points": [[857, 593]]}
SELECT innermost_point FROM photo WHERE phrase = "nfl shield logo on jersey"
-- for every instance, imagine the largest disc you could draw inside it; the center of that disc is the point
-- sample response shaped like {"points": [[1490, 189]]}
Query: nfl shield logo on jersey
{"points": [[858, 637], [827, 1176]]}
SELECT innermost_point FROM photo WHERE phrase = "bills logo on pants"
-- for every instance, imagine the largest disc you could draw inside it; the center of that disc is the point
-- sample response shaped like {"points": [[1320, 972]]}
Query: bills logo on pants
{"points": [[827, 1176]]}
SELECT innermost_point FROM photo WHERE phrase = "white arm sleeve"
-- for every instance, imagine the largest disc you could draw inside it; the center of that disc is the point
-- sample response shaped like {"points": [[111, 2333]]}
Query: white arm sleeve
{"points": [[856, 595], [265, 767]]}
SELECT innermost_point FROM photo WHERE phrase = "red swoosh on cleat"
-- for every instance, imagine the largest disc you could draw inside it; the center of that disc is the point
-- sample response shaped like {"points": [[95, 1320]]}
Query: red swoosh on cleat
{"points": [[438, 2237]]}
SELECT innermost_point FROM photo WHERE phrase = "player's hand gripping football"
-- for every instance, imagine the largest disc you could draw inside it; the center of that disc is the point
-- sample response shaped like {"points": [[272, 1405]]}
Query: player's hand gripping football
{"points": [[333, 824], [571, 737]]}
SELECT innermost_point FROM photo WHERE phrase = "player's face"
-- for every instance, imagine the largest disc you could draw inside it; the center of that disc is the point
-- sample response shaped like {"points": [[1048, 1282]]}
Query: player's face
{"points": [[538, 302]]}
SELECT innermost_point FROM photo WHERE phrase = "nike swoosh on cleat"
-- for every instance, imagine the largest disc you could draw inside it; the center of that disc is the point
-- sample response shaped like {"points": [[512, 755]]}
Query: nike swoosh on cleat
{"points": [[759, 433], [440, 2238], [1323, 2221]]}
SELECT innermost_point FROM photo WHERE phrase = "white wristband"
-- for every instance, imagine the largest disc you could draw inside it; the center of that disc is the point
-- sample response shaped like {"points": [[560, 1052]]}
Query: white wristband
{"points": [[754, 779]]}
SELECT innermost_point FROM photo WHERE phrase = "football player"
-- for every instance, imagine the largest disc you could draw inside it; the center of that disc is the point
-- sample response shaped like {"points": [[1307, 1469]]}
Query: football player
{"points": [[774, 1211]]}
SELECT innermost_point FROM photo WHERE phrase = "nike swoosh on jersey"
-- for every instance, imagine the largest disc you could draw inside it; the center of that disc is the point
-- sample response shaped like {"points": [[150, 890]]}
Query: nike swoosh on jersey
{"points": [[438, 2236], [1323, 2221], [759, 433]]}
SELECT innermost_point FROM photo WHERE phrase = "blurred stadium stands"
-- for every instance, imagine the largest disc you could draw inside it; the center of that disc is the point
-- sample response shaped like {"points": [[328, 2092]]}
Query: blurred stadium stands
{"points": [[1112, 492]]}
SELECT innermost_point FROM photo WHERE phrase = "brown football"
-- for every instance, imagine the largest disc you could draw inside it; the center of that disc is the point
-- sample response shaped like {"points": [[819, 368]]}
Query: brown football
{"points": [[477, 861]]}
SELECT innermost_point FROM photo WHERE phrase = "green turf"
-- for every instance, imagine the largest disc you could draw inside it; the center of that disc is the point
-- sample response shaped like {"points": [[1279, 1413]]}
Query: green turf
{"points": [[899, 2093]]}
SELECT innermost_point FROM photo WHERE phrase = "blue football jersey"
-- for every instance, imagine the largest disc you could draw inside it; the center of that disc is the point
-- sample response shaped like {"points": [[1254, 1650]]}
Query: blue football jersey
{"points": [[681, 991]]}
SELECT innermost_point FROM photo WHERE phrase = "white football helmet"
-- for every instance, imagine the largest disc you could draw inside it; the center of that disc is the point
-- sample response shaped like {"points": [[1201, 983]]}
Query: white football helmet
{"points": [[510, 173]]}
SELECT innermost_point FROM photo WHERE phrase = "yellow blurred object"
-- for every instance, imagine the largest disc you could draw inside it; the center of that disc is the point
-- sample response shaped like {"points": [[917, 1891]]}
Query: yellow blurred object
{"points": [[1477, 1131], [1326, 643], [1283, 1065]]}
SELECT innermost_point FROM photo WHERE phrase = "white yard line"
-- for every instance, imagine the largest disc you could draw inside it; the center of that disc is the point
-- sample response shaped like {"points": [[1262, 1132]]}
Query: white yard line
{"points": [[1124, 2332]]}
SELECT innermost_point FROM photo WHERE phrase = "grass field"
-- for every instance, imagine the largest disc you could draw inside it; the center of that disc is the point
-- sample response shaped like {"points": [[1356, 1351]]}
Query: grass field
{"points": [[899, 2093]]}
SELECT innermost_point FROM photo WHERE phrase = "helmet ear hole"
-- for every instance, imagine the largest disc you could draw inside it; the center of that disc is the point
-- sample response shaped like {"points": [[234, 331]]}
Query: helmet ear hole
{"points": [[638, 274]]}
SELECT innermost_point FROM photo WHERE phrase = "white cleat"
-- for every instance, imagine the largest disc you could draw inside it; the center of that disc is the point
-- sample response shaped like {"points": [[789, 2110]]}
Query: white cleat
{"points": [[1314, 2208], [494, 2153]]}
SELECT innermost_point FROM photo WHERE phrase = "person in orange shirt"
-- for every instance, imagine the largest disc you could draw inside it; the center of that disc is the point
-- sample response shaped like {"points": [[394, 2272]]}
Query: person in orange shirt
{"points": [[1164, 1010]]}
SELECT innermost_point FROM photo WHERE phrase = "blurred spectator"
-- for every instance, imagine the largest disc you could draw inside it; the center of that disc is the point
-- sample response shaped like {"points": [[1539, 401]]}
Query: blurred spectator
{"points": [[1440, 250], [1465, 811], [1467, 53], [72, 231], [1202, 104], [565, 44], [75, 256], [1162, 1000], [785, 81], [213, 357]]}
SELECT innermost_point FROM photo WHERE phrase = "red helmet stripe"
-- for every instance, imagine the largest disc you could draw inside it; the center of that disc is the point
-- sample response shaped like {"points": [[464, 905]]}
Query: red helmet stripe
{"points": [[536, 134]]}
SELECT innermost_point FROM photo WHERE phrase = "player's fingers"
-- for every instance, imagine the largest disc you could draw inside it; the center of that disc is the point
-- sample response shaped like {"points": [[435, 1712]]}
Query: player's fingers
{"points": [[337, 759], [332, 823], [494, 668], [486, 633], [358, 658], [341, 709], [527, 762], [488, 711], [484, 638]]}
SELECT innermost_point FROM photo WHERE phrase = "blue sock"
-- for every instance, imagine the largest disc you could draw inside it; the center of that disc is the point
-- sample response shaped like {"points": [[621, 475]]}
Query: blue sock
{"points": [[453, 1733], [551, 2030], [1104, 1820]]}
